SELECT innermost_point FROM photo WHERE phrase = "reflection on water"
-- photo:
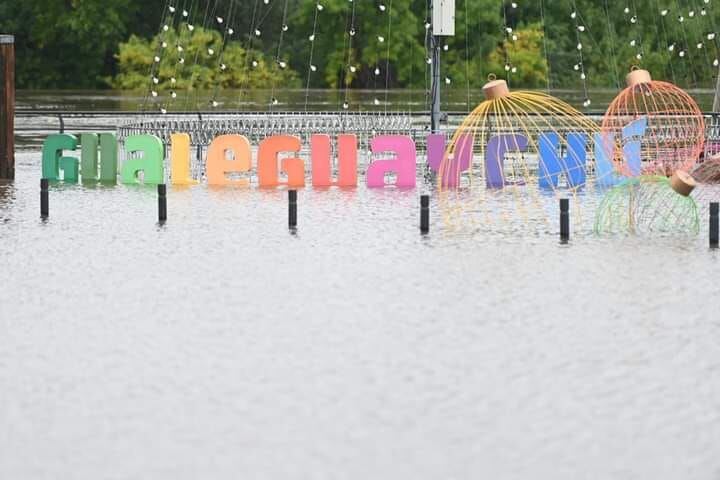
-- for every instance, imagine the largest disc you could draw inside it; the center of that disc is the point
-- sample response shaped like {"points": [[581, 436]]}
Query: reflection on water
{"points": [[355, 349]]}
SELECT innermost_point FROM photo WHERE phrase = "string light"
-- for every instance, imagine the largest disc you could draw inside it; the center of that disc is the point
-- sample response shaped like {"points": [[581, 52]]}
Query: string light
{"points": [[580, 66]]}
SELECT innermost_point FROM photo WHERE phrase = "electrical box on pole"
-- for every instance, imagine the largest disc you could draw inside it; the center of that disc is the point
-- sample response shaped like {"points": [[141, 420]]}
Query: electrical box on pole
{"points": [[443, 18]]}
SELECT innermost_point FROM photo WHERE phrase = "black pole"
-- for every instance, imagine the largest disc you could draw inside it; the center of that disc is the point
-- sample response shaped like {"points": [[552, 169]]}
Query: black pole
{"points": [[292, 208], [424, 214], [564, 219], [714, 224], [162, 202], [44, 198]]}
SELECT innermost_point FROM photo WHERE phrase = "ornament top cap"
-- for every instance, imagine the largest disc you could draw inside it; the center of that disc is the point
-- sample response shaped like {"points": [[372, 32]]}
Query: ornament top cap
{"points": [[494, 89], [682, 182], [638, 76]]}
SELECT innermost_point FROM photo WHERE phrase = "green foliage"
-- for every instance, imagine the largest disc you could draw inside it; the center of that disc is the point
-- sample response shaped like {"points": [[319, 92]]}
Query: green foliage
{"points": [[206, 64], [66, 44], [525, 55], [83, 43]]}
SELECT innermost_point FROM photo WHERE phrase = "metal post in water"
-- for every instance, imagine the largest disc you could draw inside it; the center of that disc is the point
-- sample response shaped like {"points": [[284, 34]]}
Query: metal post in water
{"points": [[292, 208], [425, 214], [442, 23], [162, 202], [714, 224], [44, 198], [564, 219], [435, 89], [7, 107]]}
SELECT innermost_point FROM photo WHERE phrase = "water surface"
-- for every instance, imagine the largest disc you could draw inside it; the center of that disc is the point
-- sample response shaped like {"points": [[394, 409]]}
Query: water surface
{"points": [[222, 346]]}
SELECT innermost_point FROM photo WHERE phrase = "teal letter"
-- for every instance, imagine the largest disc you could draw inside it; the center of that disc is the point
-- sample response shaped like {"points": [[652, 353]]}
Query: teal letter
{"points": [[88, 156], [52, 151], [151, 162]]}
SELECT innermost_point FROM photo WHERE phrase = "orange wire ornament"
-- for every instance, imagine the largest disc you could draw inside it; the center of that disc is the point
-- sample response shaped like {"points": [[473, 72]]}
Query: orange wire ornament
{"points": [[675, 132]]}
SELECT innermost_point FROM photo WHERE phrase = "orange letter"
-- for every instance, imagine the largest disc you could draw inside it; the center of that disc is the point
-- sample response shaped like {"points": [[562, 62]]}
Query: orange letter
{"points": [[180, 159], [322, 162], [268, 161], [218, 166]]}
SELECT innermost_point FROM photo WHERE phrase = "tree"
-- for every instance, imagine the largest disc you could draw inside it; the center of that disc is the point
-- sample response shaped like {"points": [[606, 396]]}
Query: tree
{"points": [[200, 59]]}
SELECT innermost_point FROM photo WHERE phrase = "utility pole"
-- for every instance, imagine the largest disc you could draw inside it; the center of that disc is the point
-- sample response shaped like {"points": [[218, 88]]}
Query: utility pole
{"points": [[442, 16]]}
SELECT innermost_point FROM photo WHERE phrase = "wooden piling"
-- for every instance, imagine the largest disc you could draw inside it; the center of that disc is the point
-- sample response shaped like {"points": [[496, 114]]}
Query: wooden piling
{"points": [[292, 208], [425, 214], [7, 107], [564, 220]]}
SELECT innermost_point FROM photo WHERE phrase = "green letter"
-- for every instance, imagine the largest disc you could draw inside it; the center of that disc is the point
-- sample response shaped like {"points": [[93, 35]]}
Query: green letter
{"points": [[151, 163], [88, 156], [52, 151], [108, 158]]}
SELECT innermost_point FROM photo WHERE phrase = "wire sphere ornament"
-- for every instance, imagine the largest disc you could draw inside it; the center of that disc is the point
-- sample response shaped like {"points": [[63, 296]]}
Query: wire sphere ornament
{"points": [[707, 175], [649, 204], [517, 148], [673, 127]]}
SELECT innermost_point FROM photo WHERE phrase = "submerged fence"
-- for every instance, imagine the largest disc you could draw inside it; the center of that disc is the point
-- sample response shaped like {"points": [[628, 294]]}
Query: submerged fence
{"points": [[33, 125]]}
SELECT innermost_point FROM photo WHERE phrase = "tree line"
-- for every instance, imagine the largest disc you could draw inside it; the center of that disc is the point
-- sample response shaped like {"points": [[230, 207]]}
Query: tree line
{"points": [[88, 44]]}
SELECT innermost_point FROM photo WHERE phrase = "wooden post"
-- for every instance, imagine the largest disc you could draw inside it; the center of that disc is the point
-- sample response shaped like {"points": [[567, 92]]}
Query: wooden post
{"points": [[7, 107]]}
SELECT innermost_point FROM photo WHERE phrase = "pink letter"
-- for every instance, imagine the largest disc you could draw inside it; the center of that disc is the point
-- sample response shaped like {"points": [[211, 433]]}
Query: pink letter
{"points": [[268, 161], [320, 153], [403, 164], [449, 167]]}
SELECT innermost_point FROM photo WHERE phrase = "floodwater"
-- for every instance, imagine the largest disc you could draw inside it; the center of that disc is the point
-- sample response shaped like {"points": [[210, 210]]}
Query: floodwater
{"points": [[223, 346], [453, 100]]}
